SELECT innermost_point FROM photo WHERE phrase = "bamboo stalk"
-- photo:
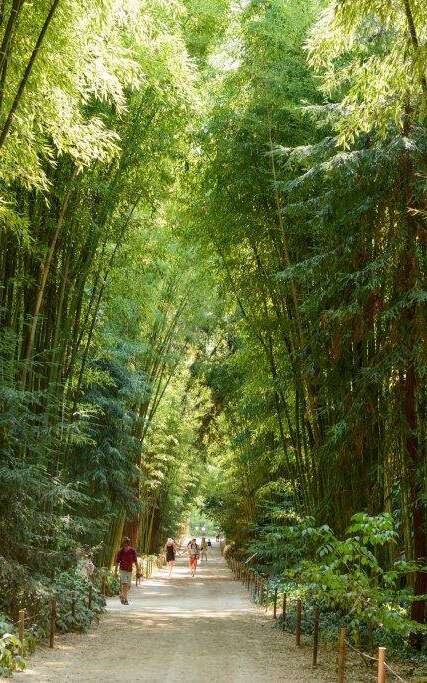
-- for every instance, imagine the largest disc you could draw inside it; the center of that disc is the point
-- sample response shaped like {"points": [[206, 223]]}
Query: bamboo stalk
{"points": [[27, 73]]}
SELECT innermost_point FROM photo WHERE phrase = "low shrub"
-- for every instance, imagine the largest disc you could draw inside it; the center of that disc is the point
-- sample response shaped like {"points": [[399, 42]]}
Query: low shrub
{"points": [[10, 657]]}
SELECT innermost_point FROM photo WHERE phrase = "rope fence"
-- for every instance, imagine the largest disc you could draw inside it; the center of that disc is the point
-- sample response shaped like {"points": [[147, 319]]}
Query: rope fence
{"points": [[258, 589]]}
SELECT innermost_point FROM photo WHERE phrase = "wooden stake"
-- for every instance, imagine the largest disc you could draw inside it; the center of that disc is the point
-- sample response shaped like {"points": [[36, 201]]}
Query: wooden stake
{"points": [[342, 654], [298, 626], [52, 622], [89, 598], [21, 630], [73, 605], [381, 665], [284, 611], [103, 586], [275, 604], [316, 635]]}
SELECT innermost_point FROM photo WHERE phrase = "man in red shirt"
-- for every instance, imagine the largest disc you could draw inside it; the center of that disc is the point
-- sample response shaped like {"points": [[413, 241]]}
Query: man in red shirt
{"points": [[125, 559]]}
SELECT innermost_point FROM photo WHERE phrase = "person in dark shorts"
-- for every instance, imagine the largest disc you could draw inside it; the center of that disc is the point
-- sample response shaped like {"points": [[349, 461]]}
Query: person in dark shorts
{"points": [[125, 559], [170, 552]]}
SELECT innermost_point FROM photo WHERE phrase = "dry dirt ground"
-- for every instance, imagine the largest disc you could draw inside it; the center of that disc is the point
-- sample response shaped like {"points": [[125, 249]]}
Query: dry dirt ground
{"points": [[182, 629]]}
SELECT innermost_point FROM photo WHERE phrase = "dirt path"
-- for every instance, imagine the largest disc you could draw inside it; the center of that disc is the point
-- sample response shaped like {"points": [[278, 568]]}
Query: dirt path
{"points": [[179, 629]]}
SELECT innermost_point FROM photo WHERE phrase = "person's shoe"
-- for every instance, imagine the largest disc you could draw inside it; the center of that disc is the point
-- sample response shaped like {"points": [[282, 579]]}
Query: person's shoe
{"points": [[125, 602]]}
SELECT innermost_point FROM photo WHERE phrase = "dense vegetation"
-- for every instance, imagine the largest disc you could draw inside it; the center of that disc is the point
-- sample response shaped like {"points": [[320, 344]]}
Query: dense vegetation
{"points": [[212, 282]]}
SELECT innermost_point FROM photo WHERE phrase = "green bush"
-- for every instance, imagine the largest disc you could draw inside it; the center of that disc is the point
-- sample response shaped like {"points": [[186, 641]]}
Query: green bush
{"points": [[10, 658], [72, 594], [348, 579], [20, 590]]}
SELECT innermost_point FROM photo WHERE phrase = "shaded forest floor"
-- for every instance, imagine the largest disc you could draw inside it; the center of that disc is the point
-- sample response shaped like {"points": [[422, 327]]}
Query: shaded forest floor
{"points": [[184, 629]]}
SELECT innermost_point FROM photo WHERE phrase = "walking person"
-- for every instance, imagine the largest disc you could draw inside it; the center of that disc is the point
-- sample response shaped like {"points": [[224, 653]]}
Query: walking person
{"points": [[125, 559], [170, 552], [203, 549], [193, 556], [209, 543]]}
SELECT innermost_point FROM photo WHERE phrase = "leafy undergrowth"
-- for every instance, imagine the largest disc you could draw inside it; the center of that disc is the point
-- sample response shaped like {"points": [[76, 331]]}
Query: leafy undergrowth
{"points": [[78, 603], [354, 582]]}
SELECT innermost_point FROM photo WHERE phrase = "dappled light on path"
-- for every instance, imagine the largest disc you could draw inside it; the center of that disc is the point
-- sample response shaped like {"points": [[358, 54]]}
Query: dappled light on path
{"points": [[178, 629]]}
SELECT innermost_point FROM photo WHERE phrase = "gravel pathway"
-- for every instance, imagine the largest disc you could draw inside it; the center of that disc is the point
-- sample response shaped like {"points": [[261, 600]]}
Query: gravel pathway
{"points": [[180, 629]]}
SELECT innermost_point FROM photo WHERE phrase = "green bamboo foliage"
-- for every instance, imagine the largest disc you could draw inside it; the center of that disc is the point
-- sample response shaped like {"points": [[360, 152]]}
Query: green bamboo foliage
{"points": [[212, 272], [316, 217]]}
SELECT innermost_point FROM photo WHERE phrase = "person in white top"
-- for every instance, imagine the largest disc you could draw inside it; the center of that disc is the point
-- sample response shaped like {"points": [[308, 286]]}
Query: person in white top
{"points": [[193, 556], [203, 549]]}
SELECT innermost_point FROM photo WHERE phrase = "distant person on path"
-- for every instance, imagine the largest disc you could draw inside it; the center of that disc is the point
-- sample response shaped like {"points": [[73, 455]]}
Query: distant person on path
{"points": [[170, 552], [193, 555], [125, 559], [209, 543], [203, 549]]}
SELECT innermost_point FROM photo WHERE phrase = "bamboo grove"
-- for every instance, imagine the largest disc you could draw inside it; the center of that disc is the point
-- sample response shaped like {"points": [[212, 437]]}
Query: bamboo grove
{"points": [[212, 279], [99, 302], [312, 198]]}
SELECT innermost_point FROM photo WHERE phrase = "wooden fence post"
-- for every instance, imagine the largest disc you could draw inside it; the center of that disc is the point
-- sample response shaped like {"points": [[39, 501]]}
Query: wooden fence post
{"points": [[275, 604], [103, 586], [89, 597], [381, 665], [21, 630], [316, 635], [52, 622], [73, 605], [261, 591], [298, 625], [284, 610], [342, 654]]}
